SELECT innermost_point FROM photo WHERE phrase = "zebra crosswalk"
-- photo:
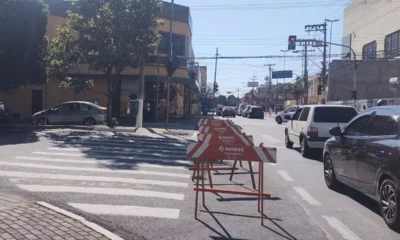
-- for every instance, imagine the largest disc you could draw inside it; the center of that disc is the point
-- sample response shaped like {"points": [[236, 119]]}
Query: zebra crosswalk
{"points": [[128, 175]]}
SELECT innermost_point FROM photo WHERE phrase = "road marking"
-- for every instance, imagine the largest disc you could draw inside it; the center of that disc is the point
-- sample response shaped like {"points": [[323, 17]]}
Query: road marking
{"points": [[89, 154], [90, 178], [139, 211], [105, 191], [342, 229], [122, 151], [79, 169], [91, 225], [285, 176], [103, 162], [306, 196], [269, 138]]}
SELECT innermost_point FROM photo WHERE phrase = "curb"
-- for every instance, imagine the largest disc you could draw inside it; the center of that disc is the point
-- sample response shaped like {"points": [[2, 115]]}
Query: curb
{"points": [[73, 127], [85, 222]]}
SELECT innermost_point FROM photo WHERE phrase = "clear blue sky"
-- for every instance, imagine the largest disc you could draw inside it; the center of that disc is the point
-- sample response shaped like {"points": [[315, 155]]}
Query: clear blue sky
{"points": [[254, 28]]}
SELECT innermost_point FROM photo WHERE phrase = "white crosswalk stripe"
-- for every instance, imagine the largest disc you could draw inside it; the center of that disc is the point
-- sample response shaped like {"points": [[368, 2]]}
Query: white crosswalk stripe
{"points": [[124, 176]]}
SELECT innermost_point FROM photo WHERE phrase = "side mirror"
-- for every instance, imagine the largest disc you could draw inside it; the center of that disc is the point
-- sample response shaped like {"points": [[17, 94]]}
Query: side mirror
{"points": [[336, 132]]}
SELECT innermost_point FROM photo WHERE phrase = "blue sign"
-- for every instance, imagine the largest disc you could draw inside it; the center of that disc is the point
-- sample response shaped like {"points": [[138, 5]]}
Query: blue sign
{"points": [[282, 74]]}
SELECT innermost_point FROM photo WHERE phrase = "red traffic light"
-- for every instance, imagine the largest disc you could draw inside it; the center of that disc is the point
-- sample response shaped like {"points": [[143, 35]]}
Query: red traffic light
{"points": [[215, 83], [154, 86]]}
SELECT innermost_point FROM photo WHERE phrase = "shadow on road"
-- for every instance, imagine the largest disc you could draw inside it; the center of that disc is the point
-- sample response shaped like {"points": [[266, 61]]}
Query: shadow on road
{"points": [[120, 150], [11, 136]]}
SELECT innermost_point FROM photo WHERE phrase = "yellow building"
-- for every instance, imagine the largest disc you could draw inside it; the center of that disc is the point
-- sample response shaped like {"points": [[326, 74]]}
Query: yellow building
{"points": [[185, 81]]}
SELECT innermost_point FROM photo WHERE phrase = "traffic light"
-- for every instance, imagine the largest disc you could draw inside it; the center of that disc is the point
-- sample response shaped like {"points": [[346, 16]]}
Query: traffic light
{"points": [[215, 87], [292, 42], [354, 94]]}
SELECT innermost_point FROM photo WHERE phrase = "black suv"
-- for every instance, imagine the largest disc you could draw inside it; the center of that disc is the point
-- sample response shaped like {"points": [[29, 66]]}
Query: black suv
{"points": [[255, 112], [365, 155]]}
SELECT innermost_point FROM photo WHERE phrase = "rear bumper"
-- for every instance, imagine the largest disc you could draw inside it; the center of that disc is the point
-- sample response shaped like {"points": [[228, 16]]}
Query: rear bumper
{"points": [[317, 143]]}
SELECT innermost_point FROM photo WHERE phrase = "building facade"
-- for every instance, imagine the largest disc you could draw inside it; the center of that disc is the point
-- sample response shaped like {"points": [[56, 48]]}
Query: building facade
{"points": [[372, 29], [203, 81], [185, 83]]}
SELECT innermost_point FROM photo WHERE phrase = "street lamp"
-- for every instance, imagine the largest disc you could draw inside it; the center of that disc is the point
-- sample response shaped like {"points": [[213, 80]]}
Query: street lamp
{"points": [[330, 38]]}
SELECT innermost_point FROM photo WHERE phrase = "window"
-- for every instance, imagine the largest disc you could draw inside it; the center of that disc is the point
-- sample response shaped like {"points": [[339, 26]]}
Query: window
{"points": [[178, 43], [358, 127], [334, 114], [291, 109], [304, 114], [369, 51], [297, 114], [384, 123], [84, 107], [392, 48]]}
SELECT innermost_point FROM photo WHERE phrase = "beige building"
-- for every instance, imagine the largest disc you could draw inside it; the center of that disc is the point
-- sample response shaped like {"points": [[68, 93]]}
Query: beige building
{"points": [[372, 29]]}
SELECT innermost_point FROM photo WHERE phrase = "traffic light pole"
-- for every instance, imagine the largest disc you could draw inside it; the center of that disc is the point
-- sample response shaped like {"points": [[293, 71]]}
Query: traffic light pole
{"points": [[215, 81]]}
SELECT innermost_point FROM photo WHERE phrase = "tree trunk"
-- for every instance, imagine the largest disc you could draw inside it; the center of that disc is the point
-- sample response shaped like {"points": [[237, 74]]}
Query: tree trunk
{"points": [[109, 101], [139, 117]]}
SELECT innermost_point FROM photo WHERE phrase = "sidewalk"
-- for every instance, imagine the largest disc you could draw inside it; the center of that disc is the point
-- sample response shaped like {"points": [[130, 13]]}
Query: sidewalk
{"points": [[24, 220]]}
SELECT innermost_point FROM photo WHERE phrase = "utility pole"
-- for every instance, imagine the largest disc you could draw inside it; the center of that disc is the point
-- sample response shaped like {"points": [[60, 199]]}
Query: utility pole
{"points": [[268, 84], [301, 52], [170, 58], [320, 28], [215, 80], [284, 68], [305, 43], [252, 90]]}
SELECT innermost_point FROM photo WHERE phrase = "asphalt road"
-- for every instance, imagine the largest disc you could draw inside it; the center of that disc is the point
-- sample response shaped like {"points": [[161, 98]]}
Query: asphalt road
{"points": [[139, 187], [341, 215]]}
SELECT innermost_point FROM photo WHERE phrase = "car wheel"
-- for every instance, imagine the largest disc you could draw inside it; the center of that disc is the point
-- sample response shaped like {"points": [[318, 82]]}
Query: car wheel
{"points": [[329, 173], [288, 143], [89, 122], [304, 149], [389, 196], [279, 120], [41, 121]]}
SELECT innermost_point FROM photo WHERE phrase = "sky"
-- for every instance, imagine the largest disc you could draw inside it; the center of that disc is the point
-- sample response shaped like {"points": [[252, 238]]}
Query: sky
{"points": [[258, 28]]}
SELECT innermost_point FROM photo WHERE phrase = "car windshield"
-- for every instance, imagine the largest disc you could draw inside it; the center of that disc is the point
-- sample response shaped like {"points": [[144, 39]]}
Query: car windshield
{"points": [[334, 114]]}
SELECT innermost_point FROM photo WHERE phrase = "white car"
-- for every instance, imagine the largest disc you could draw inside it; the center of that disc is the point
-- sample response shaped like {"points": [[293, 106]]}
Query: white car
{"points": [[310, 125], [286, 115]]}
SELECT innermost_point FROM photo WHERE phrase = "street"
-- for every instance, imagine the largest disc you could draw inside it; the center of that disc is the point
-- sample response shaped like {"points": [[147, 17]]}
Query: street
{"points": [[139, 187]]}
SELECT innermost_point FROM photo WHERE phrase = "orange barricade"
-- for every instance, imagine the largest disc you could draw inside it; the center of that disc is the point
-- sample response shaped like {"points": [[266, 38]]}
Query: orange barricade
{"points": [[229, 134], [222, 140]]}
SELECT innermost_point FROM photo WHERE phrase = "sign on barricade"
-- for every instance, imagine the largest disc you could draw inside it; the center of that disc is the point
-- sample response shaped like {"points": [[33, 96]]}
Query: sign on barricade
{"points": [[220, 139]]}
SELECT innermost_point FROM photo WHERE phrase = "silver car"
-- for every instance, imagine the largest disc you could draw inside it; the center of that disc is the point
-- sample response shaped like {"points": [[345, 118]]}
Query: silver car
{"points": [[75, 112]]}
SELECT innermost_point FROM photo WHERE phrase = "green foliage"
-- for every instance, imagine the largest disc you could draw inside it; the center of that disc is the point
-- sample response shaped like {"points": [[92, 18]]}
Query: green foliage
{"points": [[23, 46], [114, 122], [113, 35], [297, 89], [77, 84]]}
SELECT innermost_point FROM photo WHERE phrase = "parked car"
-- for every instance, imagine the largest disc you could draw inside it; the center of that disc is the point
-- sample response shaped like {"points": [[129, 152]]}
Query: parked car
{"points": [[255, 112], [219, 111], [228, 111], [75, 112], [4, 114], [285, 115], [365, 155], [310, 125]]}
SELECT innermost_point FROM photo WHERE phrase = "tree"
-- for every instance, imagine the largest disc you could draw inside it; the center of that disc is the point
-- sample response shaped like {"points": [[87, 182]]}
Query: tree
{"points": [[233, 101], [222, 100], [297, 90], [22, 43], [114, 35]]}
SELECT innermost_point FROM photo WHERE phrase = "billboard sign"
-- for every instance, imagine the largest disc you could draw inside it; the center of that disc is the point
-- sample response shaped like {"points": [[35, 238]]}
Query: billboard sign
{"points": [[252, 84]]}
